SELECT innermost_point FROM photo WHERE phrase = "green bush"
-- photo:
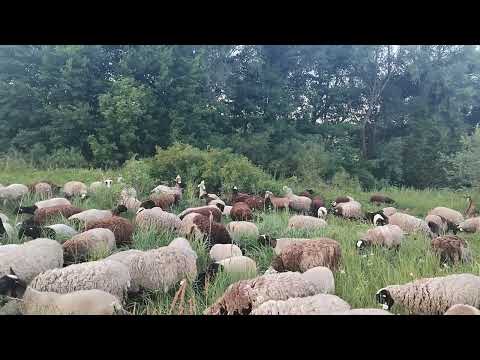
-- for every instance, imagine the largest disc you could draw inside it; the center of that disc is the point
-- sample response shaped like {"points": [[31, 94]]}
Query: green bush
{"points": [[137, 174]]}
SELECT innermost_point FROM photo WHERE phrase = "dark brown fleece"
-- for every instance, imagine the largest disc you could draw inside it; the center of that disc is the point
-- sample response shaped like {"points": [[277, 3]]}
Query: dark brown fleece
{"points": [[241, 212], [121, 228], [41, 216], [215, 232]]}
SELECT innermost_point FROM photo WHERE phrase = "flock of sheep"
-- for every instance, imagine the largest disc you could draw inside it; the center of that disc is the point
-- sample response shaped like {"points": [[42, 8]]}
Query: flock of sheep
{"points": [[52, 274]]}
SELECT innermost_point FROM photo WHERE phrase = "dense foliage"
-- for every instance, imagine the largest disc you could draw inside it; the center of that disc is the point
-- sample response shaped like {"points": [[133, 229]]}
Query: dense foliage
{"points": [[399, 115]]}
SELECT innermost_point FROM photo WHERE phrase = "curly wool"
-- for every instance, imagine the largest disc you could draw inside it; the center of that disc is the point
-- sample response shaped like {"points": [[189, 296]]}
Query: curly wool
{"points": [[31, 258], [305, 255], [75, 188], [240, 229], [82, 302], [52, 202], [158, 219], [306, 222], [410, 224], [224, 251], [450, 215], [90, 215], [434, 296], [41, 216], [451, 249], [320, 304], [203, 210], [389, 211], [107, 275], [462, 309], [470, 225], [241, 297], [349, 210], [41, 188], [241, 212], [121, 228], [386, 235], [84, 244]]}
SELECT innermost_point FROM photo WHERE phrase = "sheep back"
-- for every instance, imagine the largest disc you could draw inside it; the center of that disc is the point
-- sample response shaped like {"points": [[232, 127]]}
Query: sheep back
{"points": [[306, 222], [121, 228], [241, 212], [158, 219], [451, 249], [80, 246]]}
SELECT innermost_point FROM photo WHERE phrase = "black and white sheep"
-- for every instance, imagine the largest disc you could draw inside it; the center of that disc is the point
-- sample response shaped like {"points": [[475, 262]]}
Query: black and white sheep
{"points": [[389, 236], [470, 225], [42, 204], [59, 232]]}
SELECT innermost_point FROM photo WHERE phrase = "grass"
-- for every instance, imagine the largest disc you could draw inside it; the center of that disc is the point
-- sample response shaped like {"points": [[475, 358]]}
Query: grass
{"points": [[356, 282]]}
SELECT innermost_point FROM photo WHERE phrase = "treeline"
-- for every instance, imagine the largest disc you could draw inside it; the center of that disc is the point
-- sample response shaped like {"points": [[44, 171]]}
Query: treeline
{"points": [[385, 114]]}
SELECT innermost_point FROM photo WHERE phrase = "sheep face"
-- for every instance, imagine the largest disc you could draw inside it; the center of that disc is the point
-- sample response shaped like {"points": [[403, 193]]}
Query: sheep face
{"points": [[361, 245], [148, 204], [26, 210], [220, 206], [267, 240], [35, 231], [108, 183], [322, 212], [11, 285], [384, 298], [379, 220]]}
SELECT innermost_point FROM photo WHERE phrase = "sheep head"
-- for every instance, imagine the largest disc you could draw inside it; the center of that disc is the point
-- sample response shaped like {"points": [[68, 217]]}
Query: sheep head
{"points": [[384, 298]]}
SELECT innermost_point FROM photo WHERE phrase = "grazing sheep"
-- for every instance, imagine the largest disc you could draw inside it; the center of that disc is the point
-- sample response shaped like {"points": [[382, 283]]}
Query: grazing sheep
{"points": [[241, 212], [462, 309], [304, 255], [235, 265], [300, 204], [121, 228], [377, 218], [410, 224], [389, 236], [432, 296], [41, 216], [280, 243], [389, 211], [211, 231], [437, 224], [41, 188], [55, 232], [366, 311], [42, 204], [341, 199], [158, 219], [218, 203], [470, 225], [349, 210], [380, 198], [240, 229], [319, 304], [322, 212], [81, 302], [176, 191], [451, 249], [306, 222], [131, 203], [205, 211], [79, 247], [224, 251], [238, 196], [90, 215], [162, 200], [452, 216], [13, 192], [75, 188], [277, 203], [107, 275], [243, 296], [31, 258]]}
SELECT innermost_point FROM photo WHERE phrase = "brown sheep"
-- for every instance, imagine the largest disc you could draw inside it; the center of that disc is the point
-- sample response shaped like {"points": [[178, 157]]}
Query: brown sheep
{"points": [[213, 232], [41, 215], [238, 196], [380, 198], [451, 249], [205, 211], [304, 255], [241, 212], [255, 202], [161, 200], [277, 203], [121, 228]]}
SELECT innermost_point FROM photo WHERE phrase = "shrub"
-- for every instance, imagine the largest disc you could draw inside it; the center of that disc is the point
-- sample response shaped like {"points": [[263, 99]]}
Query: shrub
{"points": [[137, 174]]}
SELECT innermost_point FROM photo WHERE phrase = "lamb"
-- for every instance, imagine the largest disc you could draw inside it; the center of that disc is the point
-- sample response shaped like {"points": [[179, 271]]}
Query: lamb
{"points": [[107, 275], [389, 211], [162, 268], [241, 212], [308, 254], [437, 224], [31, 258], [75, 188], [451, 249], [462, 309], [211, 231], [158, 219], [55, 231], [90, 215], [162, 200], [410, 224], [121, 228], [389, 236], [432, 296], [306, 222], [240, 229], [470, 225], [320, 304], [380, 198], [277, 203], [452, 216], [298, 203], [42, 215], [244, 296], [13, 192], [349, 210], [224, 251], [79, 247], [203, 210], [42, 204]]}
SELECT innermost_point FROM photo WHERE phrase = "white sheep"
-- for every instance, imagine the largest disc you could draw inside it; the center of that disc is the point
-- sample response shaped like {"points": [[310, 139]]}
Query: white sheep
{"points": [[462, 309], [238, 265], [13, 192], [75, 188], [470, 225], [319, 304], [432, 296], [223, 251], [410, 224], [107, 275], [242, 229], [87, 243], [452, 216], [306, 222], [389, 236], [389, 211], [349, 210], [158, 219], [31, 258], [297, 203], [59, 232]]}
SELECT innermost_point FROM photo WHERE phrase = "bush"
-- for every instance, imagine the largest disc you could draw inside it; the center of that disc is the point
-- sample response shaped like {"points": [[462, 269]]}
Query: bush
{"points": [[137, 174], [65, 158]]}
